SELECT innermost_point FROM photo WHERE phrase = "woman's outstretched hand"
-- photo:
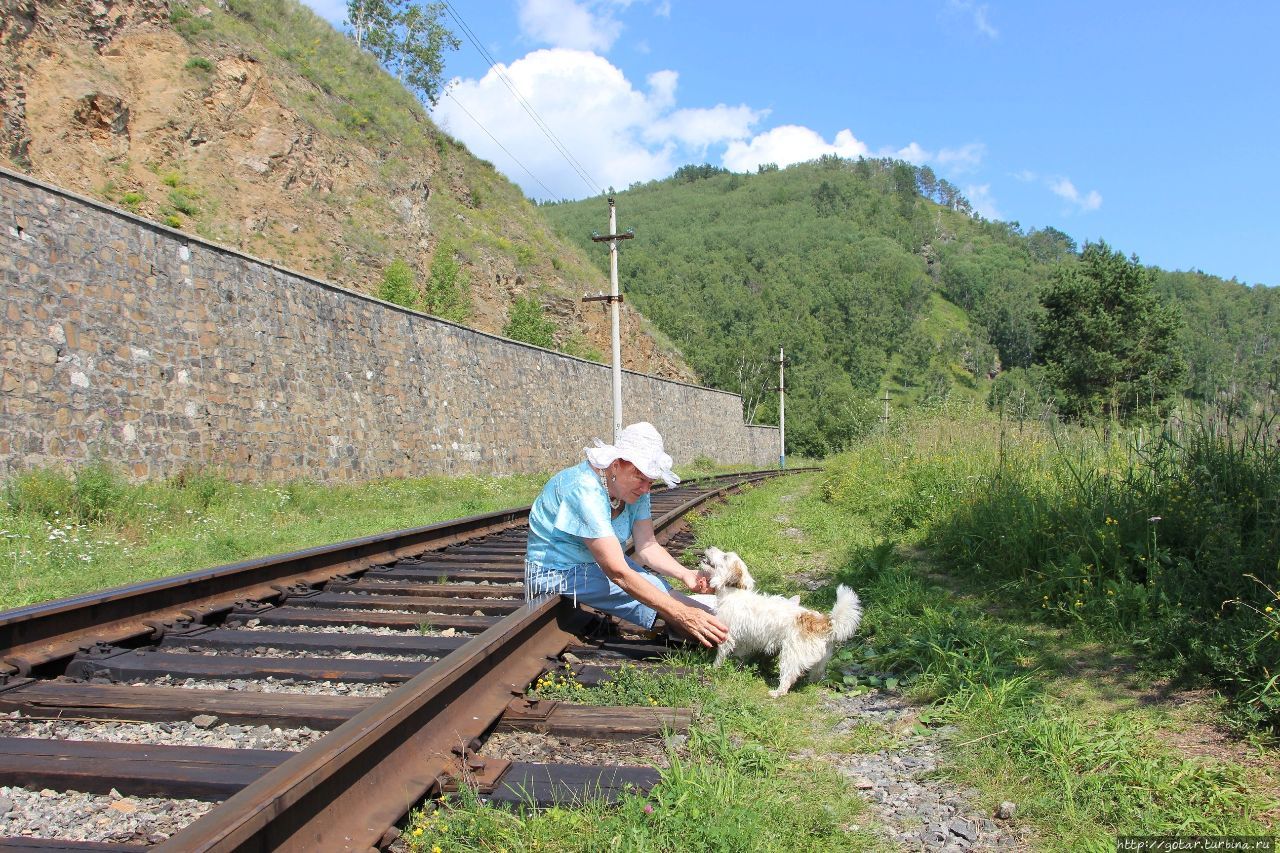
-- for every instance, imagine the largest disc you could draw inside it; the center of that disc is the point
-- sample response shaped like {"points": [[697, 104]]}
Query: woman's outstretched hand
{"points": [[698, 582]]}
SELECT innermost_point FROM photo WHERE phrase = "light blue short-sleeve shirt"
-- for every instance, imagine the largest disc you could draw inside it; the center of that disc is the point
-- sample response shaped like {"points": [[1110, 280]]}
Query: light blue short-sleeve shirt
{"points": [[574, 506]]}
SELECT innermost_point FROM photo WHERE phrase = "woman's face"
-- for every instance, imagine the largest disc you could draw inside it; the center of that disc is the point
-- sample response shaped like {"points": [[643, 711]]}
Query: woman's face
{"points": [[629, 483]]}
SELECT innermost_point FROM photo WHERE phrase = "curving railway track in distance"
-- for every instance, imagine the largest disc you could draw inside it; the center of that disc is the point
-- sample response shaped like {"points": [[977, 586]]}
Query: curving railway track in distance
{"points": [[403, 649]]}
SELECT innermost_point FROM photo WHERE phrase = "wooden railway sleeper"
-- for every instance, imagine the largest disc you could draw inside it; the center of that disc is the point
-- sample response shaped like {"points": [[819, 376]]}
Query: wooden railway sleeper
{"points": [[85, 665], [10, 682]]}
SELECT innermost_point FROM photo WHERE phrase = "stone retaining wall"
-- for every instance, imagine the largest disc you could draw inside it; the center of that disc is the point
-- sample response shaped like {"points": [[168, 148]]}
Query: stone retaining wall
{"points": [[154, 350]]}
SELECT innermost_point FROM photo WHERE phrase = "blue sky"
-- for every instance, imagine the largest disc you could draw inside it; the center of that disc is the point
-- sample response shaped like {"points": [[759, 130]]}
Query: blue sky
{"points": [[1151, 125]]}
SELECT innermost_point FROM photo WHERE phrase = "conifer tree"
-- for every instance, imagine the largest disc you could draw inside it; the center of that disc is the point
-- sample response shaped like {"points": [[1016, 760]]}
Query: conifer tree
{"points": [[1108, 342]]}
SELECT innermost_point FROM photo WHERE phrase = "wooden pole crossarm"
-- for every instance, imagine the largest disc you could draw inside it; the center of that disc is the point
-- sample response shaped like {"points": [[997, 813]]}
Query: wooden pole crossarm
{"points": [[602, 238], [604, 298]]}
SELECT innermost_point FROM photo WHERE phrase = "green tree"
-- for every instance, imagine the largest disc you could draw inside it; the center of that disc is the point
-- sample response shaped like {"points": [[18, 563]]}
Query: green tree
{"points": [[399, 284], [448, 293], [366, 16], [918, 350], [527, 324], [407, 38], [1108, 342]]}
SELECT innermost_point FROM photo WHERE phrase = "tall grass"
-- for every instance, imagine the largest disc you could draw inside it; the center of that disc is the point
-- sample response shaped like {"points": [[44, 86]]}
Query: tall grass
{"points": [[1170, 543], [67, 533]]}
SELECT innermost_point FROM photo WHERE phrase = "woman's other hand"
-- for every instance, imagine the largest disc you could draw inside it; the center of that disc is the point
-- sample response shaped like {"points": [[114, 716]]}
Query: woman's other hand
{"points": [[698, 624]]}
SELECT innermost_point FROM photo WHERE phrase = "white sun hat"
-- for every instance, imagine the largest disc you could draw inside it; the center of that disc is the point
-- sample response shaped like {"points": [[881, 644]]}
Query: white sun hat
{"points": [[641, 445]]}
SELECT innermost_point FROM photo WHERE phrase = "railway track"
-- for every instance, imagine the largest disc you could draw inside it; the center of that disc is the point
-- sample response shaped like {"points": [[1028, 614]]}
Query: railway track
{"points": [[307, 701]]}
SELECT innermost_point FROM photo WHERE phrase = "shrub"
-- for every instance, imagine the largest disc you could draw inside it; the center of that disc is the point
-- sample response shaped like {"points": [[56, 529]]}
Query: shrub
{"points": [[447, 293], [186, 23], [399, 284], [99, 493], [527, 324], [1172, 545], [95, 493], [526, 256], [45, 492], [198, 63]]}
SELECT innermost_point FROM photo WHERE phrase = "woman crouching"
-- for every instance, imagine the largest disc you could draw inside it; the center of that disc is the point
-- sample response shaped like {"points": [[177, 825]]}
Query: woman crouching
{"points": [[579, 523]]}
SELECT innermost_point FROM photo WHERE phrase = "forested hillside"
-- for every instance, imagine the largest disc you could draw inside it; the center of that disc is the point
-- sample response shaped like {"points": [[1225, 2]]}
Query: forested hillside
{"points": [[857, 269]]}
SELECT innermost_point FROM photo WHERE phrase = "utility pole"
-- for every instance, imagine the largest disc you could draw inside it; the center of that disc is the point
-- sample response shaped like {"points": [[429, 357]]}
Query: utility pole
{"points": [[782, 412], [884, 419], [615, 301]]}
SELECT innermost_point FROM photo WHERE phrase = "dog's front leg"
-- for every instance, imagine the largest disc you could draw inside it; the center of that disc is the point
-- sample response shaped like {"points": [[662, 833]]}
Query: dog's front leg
{"points": [[723, 651]]}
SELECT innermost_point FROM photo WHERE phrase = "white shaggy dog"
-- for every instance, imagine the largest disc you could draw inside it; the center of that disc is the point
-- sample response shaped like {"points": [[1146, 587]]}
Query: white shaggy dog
{"points": [[770, 624]]}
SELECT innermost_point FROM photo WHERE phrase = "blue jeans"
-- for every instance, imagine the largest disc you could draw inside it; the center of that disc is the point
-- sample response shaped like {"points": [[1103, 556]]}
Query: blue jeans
{"points": [[587, 583]]}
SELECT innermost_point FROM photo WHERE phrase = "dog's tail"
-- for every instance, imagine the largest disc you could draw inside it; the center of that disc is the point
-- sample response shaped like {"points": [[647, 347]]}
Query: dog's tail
{"points": [[846, 615]]}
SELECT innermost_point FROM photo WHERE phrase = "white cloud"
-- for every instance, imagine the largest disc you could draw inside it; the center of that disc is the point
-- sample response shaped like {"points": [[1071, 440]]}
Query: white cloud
{"points": [[701, 128], [662, 88], [966, 158], [913, 153], [568, 24], [1026, 176], [617, 133], [1064, 189], [984, 204], [977, 13], [789, 144]]}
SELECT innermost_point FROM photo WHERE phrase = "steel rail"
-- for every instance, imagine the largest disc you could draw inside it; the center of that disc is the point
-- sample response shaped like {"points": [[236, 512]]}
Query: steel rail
{"points": [[344, 792], [40, 634], [347, 790]]}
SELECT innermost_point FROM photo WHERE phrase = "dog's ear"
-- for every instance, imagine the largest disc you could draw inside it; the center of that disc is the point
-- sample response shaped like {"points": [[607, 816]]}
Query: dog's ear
{"points": [[736, 574], [745, 581]]}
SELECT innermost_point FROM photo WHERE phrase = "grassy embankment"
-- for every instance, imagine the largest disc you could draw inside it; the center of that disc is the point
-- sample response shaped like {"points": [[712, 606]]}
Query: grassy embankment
{"points": [[63, 535], [753, 773], [1008, 584], [1089, 612]]}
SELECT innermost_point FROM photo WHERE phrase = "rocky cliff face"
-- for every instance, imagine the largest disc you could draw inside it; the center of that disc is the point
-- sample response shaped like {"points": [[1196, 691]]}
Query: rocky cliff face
{"points": [[247, 124]]}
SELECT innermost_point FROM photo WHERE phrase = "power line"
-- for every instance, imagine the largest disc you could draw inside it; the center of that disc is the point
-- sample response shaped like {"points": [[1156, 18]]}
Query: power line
{"points": [[523, 102], [503, 147], [496, 67]]}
